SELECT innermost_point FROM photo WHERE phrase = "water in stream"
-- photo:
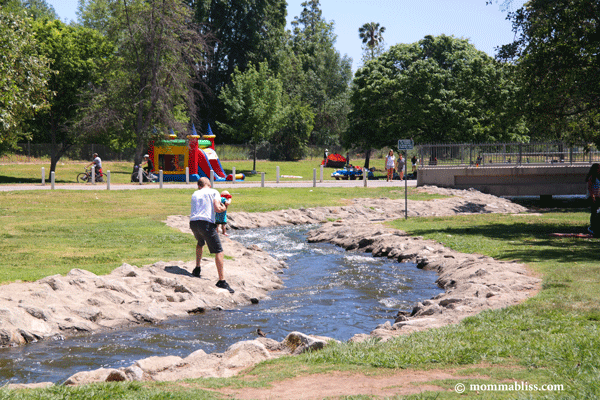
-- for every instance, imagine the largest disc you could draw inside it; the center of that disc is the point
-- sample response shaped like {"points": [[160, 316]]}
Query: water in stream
{"points": [[328, 292]]}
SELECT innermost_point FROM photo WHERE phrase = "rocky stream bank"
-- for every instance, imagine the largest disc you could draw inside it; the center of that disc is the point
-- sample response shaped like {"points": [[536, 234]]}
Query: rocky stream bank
{"points": [[83, 302]]}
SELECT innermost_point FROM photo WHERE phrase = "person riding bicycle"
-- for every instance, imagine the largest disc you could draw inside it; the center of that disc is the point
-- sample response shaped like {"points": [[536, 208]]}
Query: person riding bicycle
{"points": [[149, 165], [97, 162]]}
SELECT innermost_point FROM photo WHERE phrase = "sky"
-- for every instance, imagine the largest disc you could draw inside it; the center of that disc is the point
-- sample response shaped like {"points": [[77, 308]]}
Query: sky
{"points": [[405, 21]]}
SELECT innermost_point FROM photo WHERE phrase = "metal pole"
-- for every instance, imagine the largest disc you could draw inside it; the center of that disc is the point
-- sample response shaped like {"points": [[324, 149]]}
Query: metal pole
{"points": [[52, 180], [140, 176], [93, 175], [212, 178], [160, 179], [405, 198], [187, 175], [107, 180], [43, 176], [321, 173], [365, 177], [233, 175], [277, 169], [262, 179]]}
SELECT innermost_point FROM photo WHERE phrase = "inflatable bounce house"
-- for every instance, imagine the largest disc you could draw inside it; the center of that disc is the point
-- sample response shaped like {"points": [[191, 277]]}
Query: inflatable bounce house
{"points": [[173, 155]]}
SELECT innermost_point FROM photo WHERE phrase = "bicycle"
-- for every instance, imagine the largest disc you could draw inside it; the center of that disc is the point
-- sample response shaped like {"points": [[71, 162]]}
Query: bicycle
{"points": [[84, 177]]}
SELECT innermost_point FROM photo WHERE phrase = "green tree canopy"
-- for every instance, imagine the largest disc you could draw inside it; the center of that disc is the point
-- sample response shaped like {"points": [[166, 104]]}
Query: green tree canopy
{"points": [[557, 53], [253, 105], [325, 73], [440, 89], [239, 33], [151, 85], [24, 75], [78, 56]]}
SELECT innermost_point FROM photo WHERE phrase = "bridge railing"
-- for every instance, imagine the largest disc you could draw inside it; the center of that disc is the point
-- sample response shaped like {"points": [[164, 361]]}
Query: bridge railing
{"points": [[494, 154]]}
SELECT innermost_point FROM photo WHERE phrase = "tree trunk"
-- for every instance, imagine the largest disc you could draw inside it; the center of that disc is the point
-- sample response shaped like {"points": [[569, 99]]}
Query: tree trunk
{"points": [[367, 158]]}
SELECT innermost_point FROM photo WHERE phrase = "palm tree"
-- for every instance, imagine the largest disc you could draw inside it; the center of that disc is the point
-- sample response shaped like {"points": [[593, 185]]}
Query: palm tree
{"points": [[371, 35]]}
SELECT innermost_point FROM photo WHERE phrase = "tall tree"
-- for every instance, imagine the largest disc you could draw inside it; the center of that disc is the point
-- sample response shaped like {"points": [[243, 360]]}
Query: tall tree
{"points": [[557, 57], [326, 74], [36, 9], [24, 75], [78, 58], [150, 86], [253, 104], [243, 32], [371, 35], [440, 89]]}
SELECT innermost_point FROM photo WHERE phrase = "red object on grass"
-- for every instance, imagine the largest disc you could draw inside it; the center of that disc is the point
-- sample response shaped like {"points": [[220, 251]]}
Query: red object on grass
{"points": [[335, 161]]}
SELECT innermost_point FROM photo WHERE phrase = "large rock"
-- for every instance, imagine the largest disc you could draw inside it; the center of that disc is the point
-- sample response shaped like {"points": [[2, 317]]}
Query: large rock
{"points": [[201, 365], [82, 301]]}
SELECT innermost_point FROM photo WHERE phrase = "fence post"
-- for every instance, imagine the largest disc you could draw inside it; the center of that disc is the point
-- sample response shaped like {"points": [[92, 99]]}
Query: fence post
{"points": [[277, 173], [52, 180], [470, 154], [314, 177], [571, 155], [262, 179], [160, 178], [520, 154], [43, 176], [107, 180], [212, 177], [93, 175], [187, 175]]}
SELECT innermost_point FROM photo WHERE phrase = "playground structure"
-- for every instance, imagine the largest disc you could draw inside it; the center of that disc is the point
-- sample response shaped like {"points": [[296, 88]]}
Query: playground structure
{"points": [[197, 153]]}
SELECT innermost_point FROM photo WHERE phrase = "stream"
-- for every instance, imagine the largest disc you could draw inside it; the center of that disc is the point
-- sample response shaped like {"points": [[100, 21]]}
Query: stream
{"points": [[328, 292]]}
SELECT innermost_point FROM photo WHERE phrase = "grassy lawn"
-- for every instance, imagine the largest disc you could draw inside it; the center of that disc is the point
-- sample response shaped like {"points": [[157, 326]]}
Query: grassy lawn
{"points": [[52, 232], [66, 171], [553, 338]]}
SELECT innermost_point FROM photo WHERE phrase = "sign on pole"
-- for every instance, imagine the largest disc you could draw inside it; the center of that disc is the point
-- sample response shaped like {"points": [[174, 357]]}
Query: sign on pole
{"points": [[405, 144]]}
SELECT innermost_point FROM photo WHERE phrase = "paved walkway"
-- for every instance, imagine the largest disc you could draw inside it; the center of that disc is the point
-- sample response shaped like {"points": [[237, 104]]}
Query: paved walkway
{"points": [[217, 185]]}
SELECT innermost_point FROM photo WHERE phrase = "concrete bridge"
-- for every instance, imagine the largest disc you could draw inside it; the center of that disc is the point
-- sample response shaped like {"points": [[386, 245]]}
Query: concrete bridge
{"points": [[544, 180]]}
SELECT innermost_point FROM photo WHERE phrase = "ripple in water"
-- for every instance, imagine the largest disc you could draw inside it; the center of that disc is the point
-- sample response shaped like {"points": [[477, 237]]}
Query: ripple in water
{"points": [[328, 292]]}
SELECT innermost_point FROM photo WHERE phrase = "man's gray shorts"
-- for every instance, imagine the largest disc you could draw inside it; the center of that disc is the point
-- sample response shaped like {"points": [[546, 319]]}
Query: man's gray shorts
{"points": [[206, 232]]}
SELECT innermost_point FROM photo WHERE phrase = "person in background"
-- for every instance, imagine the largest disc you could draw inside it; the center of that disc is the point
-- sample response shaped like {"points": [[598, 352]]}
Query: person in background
{"points": [[205, 204], [97, 163], [221, 217], [593, 188], [149, 165], [401, 165], [390, 162]]}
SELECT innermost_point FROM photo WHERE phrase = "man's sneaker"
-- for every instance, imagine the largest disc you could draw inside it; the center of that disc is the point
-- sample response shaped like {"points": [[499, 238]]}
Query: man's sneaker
{"points": [[224, 285], [196, 272]]}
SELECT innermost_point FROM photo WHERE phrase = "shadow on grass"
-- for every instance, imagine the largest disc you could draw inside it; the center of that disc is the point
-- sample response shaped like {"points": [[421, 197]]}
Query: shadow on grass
{"points": [[536, 242]]}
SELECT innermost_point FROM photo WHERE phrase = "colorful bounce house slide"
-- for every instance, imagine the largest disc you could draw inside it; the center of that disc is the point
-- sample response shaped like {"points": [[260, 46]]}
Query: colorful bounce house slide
{"points": [[197, 153]]}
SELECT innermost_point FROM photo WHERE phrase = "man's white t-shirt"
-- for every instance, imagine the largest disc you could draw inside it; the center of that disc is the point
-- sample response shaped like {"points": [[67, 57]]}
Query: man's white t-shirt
{"points": [[203, 206], [97, 162]]}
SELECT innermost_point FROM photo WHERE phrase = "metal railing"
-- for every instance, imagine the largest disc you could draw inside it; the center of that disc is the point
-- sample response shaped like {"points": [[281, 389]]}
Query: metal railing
{"points": [[495, 154]]}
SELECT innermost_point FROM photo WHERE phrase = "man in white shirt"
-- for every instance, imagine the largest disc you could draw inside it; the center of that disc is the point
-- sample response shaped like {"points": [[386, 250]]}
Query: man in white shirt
{"points": [[206, 202]]}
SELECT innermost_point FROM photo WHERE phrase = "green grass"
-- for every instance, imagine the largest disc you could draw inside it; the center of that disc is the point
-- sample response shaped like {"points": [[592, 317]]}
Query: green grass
{"points": [[52, 232], [552, 338]]}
